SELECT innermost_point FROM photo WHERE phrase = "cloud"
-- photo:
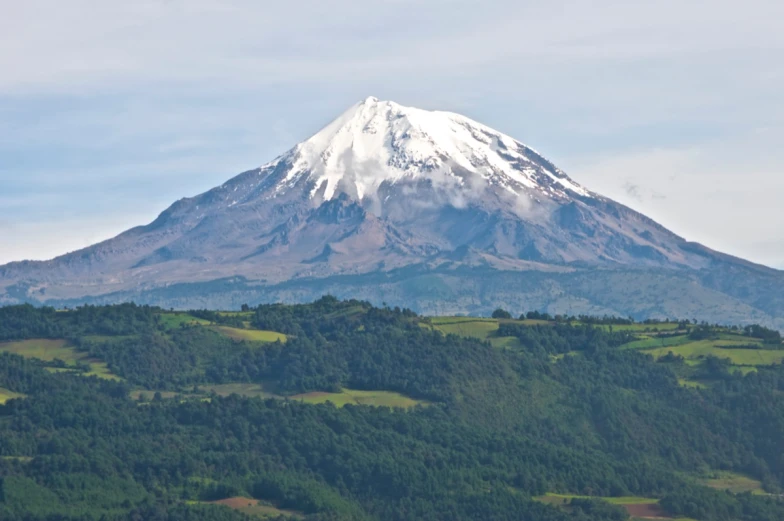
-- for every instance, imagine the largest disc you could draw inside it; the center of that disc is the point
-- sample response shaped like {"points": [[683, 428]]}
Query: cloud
{"points": [[719, 197], [633, 191]]}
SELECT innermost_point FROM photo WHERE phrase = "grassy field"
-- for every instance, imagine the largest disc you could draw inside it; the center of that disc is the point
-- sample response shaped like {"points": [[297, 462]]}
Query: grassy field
{"points": [[692, 383], [735, 483], [652, 342], [175, 320], [6, 395], [349, 396], [255, 508], [147, 395], [255, 390], [639, 508], [251, 335], [243, 389], [640, 328], [50, 350], [558, 499], [480, 328], [703, 348]]}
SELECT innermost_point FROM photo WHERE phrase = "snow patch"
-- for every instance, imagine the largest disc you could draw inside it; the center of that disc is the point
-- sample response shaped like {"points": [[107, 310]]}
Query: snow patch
{"points": [[377, 142]]}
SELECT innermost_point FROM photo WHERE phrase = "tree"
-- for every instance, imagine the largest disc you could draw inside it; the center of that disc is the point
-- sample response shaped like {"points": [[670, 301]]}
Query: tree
{"points": [[501, 313]]}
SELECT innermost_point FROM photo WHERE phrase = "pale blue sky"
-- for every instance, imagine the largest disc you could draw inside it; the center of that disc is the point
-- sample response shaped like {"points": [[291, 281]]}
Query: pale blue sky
{"points": [[110, 111]]}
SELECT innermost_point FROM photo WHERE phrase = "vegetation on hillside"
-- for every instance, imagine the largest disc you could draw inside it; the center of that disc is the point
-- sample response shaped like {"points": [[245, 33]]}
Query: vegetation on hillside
{"points": [[338, 410]]}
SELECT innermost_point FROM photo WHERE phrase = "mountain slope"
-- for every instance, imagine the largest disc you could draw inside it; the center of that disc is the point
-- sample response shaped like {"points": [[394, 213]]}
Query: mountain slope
{"points": [[394, 192]]}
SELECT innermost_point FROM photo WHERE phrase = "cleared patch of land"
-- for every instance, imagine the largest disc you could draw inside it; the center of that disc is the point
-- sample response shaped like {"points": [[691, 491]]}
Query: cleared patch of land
{"points": [[243, 389], [559, 499], [48, 350], [735, 483], [255, 390], [255, 508], [175, 320], [147, 395], [480, 328], [637, 507], [20, 459], [652, 342], [6, 394], [639, 328], [694, 384], [721, 349], [251, 335], [354, 397]]}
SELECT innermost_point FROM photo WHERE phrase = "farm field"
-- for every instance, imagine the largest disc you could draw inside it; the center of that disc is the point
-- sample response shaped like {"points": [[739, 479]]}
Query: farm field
{"points": [[558, 499], [242, 389], [6, 395], [704, 348], [254, 390], [481, 328], [251, 335], [255, 508], [638, 507], [735, 483], [354, 397], [49, 350], [175, 320], [651, 342]]}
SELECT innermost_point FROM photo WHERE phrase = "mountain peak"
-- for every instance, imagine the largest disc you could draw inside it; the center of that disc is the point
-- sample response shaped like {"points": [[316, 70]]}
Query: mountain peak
{"points": [[377, 144]]}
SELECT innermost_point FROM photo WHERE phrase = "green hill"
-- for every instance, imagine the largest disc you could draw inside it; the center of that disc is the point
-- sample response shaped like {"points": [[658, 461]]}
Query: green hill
{"points": [[338, 410]]}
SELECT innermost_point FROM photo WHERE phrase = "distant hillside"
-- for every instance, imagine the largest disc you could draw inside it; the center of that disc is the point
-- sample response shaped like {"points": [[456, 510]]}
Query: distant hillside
{"points": [[338, 410]]}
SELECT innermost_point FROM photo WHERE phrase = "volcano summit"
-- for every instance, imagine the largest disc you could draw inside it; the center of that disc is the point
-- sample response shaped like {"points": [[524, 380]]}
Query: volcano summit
{"points": [[410, 207]]}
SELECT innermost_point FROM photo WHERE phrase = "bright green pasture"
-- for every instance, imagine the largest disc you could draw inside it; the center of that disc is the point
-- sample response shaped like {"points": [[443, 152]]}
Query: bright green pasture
{"points": [[735, 483], [472, 327], [354, 397], [50, 350], [654, 342], [173, 320], [703, 348], [252, 335], [480, 328], [6, 394]]}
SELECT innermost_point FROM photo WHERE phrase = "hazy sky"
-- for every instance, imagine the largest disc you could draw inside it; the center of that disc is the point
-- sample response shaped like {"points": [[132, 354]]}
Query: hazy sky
{"points": [[110, 111]]}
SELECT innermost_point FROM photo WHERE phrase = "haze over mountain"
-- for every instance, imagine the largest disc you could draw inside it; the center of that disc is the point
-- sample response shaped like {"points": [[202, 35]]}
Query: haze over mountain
{"points": [[414, 208]]}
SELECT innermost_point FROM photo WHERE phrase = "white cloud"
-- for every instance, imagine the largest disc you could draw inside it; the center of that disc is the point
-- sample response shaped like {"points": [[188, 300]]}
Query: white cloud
{"points": [[720, 196]]}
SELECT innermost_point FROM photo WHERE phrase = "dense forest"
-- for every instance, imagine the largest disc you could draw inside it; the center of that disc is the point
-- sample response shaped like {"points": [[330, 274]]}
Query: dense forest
{"points": [[562, 408]]}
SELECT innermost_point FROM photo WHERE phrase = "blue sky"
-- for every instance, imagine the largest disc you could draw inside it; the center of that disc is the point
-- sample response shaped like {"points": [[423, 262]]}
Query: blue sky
{"points": [[111, 111]]}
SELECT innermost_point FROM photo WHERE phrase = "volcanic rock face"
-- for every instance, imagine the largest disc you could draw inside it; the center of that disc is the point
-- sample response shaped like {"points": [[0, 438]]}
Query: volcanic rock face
{"points": [[387, 192]]}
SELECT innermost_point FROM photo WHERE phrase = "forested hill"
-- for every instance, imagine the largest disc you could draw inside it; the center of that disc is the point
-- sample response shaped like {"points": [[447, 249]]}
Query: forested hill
{"points": [[338, 410]]}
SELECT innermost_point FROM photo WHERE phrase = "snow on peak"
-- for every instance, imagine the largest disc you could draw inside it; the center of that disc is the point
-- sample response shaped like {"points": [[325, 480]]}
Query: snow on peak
{"points": [[376, 142]]}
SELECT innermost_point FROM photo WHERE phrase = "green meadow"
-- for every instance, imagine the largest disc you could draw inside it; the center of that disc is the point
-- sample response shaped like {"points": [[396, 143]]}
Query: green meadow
{"points": [[172, 320], [251, 335], [6, 395], [48, 350], [721, 349], [355, 397]]}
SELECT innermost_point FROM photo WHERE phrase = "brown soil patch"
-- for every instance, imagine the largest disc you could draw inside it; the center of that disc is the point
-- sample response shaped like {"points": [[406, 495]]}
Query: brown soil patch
{"points": [[650, 511], [237, 502]]}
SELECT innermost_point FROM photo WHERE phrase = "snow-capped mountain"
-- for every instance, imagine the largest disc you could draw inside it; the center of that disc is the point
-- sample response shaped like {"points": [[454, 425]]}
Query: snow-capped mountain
{"points": [[392, 194], [377, 144]]}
